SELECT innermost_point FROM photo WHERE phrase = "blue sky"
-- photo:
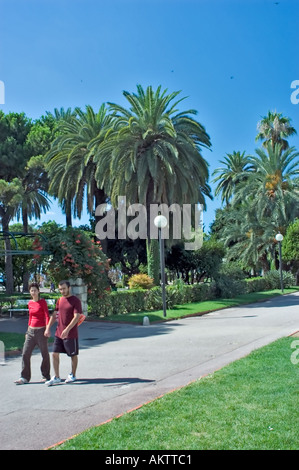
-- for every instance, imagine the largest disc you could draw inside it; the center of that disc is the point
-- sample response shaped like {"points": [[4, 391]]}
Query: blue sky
{"points": [[234, 60]]}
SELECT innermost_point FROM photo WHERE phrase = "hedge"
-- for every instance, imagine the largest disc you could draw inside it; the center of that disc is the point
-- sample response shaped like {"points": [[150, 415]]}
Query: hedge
{"points": [[130, 301]]}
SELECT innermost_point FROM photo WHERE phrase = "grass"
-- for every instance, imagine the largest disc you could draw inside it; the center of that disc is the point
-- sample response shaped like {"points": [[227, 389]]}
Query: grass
{"points": [[249, 404], [181, 311], [14, 341]]}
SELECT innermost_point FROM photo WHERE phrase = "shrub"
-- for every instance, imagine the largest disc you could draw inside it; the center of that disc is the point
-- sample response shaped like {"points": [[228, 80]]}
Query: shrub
{"points": [[118, 303], [256, 285], [75, 254], [225, 287], [130, 301], [272, 279], [140, 281]]}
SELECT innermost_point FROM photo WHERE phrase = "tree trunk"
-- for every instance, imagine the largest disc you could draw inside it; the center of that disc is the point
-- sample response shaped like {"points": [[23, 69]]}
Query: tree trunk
{"points": [[26, 274], [68, 215], [8, 258], [100, 197], [265, 263]]}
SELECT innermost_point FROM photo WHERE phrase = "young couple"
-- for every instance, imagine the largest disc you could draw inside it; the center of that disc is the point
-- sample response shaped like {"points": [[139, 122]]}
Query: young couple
{"points": [[67, 312]]}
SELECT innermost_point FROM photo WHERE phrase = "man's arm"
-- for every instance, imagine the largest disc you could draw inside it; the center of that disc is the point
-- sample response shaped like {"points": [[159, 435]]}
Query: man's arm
{"points": [[71, 325], [51, 322]]}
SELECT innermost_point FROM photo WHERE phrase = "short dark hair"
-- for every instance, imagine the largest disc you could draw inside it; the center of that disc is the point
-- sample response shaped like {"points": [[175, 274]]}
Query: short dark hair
{"points": [[67, 283]]}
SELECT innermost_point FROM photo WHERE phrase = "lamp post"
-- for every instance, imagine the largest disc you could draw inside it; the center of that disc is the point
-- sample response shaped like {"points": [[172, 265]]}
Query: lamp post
{"points": [[160, 222], [279, 238]]}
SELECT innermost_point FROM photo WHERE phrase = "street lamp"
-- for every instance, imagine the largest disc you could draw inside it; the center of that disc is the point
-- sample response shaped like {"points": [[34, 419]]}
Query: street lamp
{"points": [[161, 222], [279, 238]]}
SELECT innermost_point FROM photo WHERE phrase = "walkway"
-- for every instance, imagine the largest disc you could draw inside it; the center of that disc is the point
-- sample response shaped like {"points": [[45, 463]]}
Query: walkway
{"points": [[122, 366]]}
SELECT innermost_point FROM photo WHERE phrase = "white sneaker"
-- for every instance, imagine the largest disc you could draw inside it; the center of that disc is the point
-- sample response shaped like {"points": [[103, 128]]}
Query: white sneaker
{"points": [[53, 381], [70, 378]]}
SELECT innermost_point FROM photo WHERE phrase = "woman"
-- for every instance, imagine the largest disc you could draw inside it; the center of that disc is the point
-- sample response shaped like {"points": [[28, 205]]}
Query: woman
{"points": [[38, 320]]}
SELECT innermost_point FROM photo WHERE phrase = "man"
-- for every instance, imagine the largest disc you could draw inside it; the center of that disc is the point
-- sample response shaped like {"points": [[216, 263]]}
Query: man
{"points": [[68, 308]]}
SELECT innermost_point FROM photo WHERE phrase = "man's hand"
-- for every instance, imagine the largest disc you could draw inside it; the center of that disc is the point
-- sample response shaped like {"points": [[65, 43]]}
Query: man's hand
{"points": [[47, 333], [65, 333]]}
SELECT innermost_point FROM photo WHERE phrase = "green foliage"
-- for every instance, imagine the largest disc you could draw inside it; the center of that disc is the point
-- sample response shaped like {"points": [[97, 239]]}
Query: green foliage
{"points": [[272, 279], [118, 303], [200, 264], [290, 245], [290, 248], [75, 254], [130, 301], [153, 260]]}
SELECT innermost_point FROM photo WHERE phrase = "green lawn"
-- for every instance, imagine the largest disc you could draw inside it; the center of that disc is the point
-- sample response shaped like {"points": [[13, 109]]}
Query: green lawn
{"points": [[196, 307], [249, 404], [14, 341]]}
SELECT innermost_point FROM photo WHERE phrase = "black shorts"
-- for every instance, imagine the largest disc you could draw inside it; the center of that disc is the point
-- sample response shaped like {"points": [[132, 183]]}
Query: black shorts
{"points": [[69, 346]]}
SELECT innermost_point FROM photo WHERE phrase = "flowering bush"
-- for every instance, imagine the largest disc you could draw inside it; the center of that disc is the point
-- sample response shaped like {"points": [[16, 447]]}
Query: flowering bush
{"points": [[140, 281], [75, 254]]}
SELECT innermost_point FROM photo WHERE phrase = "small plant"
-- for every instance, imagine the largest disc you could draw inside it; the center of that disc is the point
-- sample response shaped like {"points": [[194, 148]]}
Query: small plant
{"points": [[140, 281]]}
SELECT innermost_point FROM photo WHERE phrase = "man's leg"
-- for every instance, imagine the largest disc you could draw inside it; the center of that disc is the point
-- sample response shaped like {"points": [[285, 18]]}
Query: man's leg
{"points": [[74, 365], [56, 363]]}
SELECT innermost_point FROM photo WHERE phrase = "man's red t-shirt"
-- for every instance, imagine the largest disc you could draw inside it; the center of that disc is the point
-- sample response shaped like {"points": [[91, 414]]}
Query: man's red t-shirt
{"points": [[67, 307]]}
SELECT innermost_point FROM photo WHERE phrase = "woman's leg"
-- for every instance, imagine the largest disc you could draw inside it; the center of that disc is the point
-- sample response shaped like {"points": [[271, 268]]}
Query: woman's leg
{"points": [[42, 342], [26, 355]]}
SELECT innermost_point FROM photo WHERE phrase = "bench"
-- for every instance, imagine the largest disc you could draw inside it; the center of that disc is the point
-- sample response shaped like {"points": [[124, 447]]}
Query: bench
{"points": [[22, 306]]}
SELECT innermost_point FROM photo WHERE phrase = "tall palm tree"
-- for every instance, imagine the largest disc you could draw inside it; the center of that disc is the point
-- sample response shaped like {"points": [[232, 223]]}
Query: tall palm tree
{"points": [[11, 194], [235, 170], [274, 184], [35, 185], [70, 161], [263, 204], [275, 128], [153, 154]]}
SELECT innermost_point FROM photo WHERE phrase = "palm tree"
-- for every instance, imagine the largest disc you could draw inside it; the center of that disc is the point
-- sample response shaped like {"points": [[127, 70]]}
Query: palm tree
{"points": [[235, 170], [249, 238], [35, 198], [153, 154], [275, 128], [273, 186], [11, 194], [263, 204], [70, 161]]}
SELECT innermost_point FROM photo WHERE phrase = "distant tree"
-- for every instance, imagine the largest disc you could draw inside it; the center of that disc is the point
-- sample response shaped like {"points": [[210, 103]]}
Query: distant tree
{"points": [[290, 247], [275, 128], [11, 194], [273, 186], [234, 170]]}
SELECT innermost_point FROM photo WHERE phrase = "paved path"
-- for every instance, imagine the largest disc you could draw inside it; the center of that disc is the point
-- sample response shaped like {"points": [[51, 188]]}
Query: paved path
{"points": [[122, 366]]}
